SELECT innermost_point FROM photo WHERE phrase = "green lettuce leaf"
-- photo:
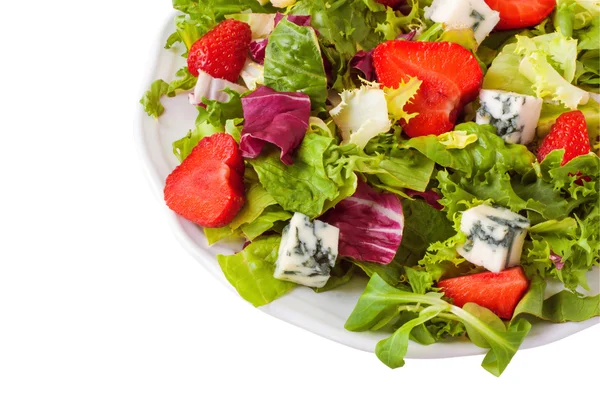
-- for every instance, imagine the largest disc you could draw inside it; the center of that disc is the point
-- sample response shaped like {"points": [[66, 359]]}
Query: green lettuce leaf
{"points": [[250, 271], [257, 200], [477, 158], [151, 99], [217, 113], [348, 25], [303, 187], [293, 62], [214, 235], [183, 147], [269, 218]]}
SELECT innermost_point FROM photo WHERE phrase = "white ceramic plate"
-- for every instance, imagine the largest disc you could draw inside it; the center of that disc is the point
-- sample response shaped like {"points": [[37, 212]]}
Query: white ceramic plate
{"points": [[323, 313]]}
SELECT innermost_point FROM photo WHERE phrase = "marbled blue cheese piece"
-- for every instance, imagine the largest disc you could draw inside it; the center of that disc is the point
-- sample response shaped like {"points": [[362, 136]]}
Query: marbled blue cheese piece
{"points": [[495, 237], [464, 14], [307, 252], [515, 116]]}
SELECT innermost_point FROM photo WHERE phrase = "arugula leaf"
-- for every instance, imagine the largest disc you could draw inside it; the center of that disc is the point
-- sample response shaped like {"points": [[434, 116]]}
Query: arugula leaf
{"points": [[564, 306], [503, 343], [250, 271], [392, 350], [381, 304], [293, 62]]}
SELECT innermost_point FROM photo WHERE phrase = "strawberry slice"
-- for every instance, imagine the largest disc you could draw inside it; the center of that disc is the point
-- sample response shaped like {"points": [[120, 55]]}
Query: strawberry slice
{"points": [[222, 51], [570, 133], [499, 292], [207, 188], [450, 74], [516, 14]]}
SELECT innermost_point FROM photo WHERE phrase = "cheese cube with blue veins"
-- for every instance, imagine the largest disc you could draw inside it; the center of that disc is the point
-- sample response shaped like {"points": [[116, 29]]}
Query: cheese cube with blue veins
{"points": [[495, 237], [464, 14], [515, 116], [307, 252]]}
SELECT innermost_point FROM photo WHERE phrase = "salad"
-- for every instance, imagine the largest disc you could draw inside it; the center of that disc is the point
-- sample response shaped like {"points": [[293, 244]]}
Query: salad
{"points": [[444, 149]]}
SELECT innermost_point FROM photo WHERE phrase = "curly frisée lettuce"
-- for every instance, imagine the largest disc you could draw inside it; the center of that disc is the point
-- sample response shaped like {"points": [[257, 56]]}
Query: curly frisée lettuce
{"points": [[320, 140]]}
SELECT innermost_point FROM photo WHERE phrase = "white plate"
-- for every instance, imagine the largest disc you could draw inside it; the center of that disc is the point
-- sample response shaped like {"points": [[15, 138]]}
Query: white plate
{"points": [[323, 313]]}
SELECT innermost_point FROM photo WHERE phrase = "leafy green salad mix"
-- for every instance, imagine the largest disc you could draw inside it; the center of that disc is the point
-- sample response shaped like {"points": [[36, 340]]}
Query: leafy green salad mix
{"points": [[349, 143]]}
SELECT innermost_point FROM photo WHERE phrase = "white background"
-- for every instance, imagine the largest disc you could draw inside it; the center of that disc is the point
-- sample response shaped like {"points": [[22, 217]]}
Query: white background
{"points": [[97, 299]]}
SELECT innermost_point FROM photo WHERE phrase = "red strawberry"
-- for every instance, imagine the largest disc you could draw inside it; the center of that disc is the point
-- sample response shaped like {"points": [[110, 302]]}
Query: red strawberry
{"points": [[221, 52], [499, 292], [516, 14], [451, 78], [207, 188], [570, 133], [390, 3]]}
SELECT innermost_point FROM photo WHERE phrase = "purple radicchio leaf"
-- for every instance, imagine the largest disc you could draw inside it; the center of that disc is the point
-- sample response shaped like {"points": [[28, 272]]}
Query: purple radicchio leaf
{"points": [[370, 224], [557, 260], [363, 61], [407, 36], [431, 197], [258, 49], [278, 118], [300, 20]]}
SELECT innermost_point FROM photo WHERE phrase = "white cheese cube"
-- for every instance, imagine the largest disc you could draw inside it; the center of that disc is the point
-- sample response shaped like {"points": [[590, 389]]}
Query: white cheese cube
{"points": [[307, 252], [495, 237], [464, 14], [515, 116]]}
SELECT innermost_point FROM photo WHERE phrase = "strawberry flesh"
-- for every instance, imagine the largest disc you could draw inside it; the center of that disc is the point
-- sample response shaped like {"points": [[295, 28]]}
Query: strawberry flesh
{"points": [[451, 77], [570, 133], [499, 292], [207, 188], [516, 14], [222, 51]]}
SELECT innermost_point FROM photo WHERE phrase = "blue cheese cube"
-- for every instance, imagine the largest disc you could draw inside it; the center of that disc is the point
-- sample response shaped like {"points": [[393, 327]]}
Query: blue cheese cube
{"points": [[515, 116], [464, 14], [495, 237], [307, 252]]}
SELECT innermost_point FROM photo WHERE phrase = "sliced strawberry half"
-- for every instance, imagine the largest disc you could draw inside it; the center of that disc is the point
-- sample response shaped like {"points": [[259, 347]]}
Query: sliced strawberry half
{"points": [[450, 74], [499, 292], [570, 133], [222, 51], [207, 188], [516, 14]]}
